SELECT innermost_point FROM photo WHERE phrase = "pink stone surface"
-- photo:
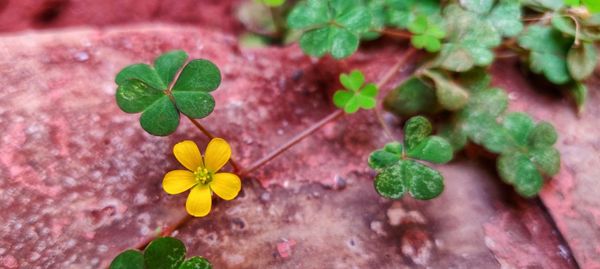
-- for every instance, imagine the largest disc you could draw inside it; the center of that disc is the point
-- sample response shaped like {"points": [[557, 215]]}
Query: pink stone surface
{"points": [[80, 180]]}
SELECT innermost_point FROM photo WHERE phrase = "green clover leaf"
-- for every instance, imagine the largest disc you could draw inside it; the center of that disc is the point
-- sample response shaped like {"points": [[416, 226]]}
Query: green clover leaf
{"points": [[355, 96], [331, 26], [582, 60], [472, 33], [272, 3], [143, 88], [410, 98], [426, 34], [401, 13], [530, 154], [161, 253], [548, 52], [449, 94], [399, 172]]}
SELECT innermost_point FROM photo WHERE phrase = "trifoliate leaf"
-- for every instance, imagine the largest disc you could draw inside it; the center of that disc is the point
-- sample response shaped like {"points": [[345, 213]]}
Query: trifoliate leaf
{"points": [[332, 26], [426, 34], [419, 180], [196, 263], [582, 60], [412, 97], [449, 94], [389, 155], [164, 253], [548, 52], [143, 88], [129, 259], [470, 38], [354, 97]]}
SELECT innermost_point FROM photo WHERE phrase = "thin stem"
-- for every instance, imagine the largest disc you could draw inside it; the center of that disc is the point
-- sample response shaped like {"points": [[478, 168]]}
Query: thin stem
{"points": [[383, 81], [293, 141], [394, 33], [277, 21], [233, 163]]}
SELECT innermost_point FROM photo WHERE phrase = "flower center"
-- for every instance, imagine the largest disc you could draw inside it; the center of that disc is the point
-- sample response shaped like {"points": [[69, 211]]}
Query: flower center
{"points": [[203, 176]]}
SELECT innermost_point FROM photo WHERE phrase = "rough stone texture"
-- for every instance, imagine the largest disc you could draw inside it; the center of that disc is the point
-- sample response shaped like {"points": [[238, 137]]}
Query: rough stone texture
{"points": [[80, 180], [572, 196], [18, 15]]}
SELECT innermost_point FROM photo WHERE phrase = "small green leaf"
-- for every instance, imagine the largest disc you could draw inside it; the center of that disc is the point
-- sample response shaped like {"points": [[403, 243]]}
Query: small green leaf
{"points": [[406, 175], [133, 96], [416, 130], [390, 154], [161, 118], [129, 259], [143, 73], [412, 97], [401, 13], [164, 253], [426, 34], [478, 6], [582, 60], [518, 170], [592, 5], [196, 263], [353, 97], [198, 75], [194, 103], [519, 126], [542, 135], [450, 95], [433, 149], [168, 64], [272, 3], [547, 160], [308, 13], [506, 17], [352, 81], [548, 52]]}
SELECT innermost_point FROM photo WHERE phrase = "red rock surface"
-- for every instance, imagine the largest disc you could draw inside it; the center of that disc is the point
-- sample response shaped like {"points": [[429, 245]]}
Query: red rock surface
{"points": [[18, 15], [80, 180]]}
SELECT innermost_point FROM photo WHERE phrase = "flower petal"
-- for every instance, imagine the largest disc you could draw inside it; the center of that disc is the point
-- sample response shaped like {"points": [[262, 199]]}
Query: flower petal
{"points": [[188, 154], [217, 154], [178, 181], [199, 201], [226, 185]]}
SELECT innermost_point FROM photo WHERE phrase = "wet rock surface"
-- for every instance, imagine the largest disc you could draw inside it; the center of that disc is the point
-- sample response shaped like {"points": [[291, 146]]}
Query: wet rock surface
{"points": [[80, 180]]}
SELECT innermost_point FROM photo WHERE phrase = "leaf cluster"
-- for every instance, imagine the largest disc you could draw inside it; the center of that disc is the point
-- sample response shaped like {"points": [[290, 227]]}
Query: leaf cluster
{"points": [[399, 166], [161, 253]]}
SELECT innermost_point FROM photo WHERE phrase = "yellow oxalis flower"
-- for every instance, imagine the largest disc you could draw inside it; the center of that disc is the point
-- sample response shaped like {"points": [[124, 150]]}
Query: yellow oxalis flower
{"points": [[202, 177]]}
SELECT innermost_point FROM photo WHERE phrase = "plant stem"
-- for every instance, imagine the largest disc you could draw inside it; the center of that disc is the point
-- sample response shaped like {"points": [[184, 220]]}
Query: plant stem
{"points": [[277, 21], [383, 81], [233, 163], [293, 141], [395, 33]]}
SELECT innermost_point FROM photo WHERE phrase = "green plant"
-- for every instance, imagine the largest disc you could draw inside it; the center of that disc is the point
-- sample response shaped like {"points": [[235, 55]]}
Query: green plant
{"points": [[161, 253]]}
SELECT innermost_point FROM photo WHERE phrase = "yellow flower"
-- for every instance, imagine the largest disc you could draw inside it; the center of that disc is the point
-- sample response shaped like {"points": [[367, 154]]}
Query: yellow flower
{"points": [[202, 176]]}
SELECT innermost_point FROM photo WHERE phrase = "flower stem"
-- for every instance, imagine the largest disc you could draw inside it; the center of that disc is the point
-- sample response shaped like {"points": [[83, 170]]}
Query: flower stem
{"points": [[233, 163], [299, 137], [395, 33]]}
